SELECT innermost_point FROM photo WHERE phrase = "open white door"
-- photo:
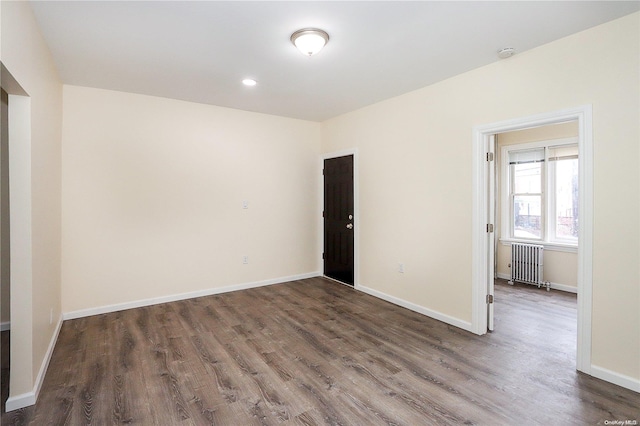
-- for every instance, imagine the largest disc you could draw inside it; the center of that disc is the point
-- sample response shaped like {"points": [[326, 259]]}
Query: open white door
{"points": [[491, 215]]}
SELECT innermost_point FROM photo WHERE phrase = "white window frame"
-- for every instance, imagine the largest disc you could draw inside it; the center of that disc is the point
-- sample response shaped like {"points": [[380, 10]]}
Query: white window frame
{"points": [[548, 201]]}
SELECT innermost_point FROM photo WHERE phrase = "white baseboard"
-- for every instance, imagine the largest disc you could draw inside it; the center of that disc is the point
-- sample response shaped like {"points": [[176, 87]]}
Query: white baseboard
{"points": [[456, 322], [555, 286], [5, 326], [181, 296], [615, 378], [29, 398], [564, 287]]}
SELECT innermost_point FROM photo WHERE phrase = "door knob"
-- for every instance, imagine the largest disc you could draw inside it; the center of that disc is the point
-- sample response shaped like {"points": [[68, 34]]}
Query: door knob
{"points": [[349, 225]]}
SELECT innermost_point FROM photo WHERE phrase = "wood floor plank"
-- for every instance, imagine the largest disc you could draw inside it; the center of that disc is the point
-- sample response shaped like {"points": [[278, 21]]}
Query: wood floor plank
{"points": [[314, 352]]}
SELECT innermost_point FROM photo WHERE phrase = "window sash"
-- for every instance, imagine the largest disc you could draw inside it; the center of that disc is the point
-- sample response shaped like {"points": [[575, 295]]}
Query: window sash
{"points": [[562, 156]]}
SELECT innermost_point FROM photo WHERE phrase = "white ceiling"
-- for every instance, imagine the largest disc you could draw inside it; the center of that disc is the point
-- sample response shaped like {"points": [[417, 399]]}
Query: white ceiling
{"points": [[200, 51]]}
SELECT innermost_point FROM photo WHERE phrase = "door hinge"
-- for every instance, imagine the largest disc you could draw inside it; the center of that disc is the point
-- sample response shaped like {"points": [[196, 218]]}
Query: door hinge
{"points": [[489, 156], [322, 213], [489, 227], [489, 298], [322, 172], [322, 256]]}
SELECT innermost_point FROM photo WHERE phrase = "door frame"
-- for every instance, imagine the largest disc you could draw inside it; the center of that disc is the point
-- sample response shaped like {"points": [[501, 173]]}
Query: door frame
{"points": [[481, 270], [356, 213], [21, 374]]}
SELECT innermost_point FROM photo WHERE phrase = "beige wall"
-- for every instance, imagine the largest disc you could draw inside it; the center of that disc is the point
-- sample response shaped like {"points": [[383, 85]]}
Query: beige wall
{"points": [[559, 267], [416, 183], [153, 191], [27, 58]]}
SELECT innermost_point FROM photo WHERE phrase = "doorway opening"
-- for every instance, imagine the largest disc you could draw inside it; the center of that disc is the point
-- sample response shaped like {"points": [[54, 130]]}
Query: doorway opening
{"points": [[536, 223], [483, 221]]}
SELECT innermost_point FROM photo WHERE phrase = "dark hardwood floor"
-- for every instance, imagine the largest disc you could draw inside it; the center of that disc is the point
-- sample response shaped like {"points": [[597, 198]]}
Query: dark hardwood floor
{"points": [[316, 352]]}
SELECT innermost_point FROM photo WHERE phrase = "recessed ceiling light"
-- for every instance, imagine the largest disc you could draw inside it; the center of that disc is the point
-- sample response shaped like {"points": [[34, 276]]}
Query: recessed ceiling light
{"points": [[507, 52], [249, 82], [309, 40]]}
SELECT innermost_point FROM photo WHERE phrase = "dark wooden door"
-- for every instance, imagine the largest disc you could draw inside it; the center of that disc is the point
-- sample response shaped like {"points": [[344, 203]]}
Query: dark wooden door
{"points": [[338, 219]]}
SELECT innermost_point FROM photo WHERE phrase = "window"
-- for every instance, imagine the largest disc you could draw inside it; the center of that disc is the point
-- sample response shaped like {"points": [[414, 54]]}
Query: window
{"points": [[540, 192]]}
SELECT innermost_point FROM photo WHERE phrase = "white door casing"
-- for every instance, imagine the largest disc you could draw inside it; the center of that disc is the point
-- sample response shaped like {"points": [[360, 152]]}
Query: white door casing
{"points": [[481, 247]]}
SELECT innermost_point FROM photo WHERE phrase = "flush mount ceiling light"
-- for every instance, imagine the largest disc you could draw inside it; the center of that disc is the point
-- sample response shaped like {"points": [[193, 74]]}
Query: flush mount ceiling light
{"points": [[507, 52], [309, 40], [249, 82]]}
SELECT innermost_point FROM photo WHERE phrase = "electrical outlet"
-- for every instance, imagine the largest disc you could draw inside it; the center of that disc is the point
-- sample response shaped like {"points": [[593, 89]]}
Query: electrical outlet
{"points": [[245, 204], [245, 260], [401, 268]]}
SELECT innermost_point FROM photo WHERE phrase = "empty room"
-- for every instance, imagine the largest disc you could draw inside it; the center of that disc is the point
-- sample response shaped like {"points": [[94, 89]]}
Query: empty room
{"points": [[300, 212]]}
